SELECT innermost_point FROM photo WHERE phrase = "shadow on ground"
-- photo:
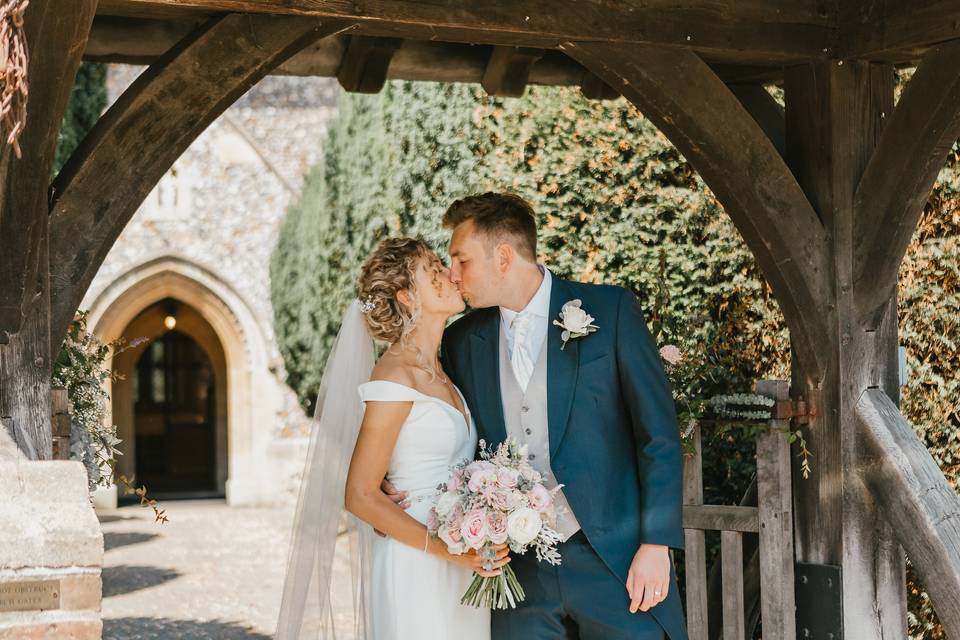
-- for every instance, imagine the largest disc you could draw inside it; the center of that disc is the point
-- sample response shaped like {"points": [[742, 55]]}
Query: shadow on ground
{"points": [[164, 628], [128, 578], [112, 540], [105, 518]]}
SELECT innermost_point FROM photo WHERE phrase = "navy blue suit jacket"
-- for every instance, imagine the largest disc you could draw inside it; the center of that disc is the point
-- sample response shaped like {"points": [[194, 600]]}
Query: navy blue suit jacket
{"points": [[614, 441]]}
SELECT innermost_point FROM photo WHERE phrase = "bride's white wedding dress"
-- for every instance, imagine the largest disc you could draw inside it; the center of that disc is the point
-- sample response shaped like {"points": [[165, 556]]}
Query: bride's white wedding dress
{"points": [[416, 596]]}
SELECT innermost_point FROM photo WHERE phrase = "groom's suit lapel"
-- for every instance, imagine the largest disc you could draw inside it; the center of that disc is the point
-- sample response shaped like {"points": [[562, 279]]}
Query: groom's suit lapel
{"points": [[562, 367], [485, 352]]}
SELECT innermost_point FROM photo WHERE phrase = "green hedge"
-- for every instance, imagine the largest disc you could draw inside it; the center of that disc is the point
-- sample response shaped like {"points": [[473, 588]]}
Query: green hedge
{"points": [[87, 101]]}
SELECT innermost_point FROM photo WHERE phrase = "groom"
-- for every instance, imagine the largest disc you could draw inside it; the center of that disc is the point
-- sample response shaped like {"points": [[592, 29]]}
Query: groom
{"points": [[596, 413]]}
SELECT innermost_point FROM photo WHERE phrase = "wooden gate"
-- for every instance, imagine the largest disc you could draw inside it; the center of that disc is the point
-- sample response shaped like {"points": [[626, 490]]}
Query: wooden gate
{"points": [[771, 556]]}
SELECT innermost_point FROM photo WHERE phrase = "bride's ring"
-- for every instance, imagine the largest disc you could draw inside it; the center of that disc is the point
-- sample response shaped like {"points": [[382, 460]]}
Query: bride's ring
{"points": [[656, 592], [488, 566]]}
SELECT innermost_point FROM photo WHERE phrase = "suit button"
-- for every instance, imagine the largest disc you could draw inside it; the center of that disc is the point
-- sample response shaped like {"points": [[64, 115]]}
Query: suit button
{"points": [[524, 409], [528, 431]]}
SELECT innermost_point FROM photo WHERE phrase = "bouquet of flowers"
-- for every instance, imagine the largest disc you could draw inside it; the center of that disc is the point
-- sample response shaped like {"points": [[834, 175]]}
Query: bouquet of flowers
{"points": [[499, 499]]}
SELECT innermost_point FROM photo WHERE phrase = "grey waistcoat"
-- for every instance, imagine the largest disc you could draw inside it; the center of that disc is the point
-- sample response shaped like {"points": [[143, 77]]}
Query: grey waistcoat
{"points": [[525, 415]]}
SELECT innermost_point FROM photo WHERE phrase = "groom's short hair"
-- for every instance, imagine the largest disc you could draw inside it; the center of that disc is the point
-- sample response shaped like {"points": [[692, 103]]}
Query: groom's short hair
{"points": [[498, 216]]}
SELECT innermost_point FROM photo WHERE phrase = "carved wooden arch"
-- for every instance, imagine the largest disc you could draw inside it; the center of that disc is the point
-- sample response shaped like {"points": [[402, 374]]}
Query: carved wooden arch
{"points": [[902, 170], [147, 129], [679, 93]]}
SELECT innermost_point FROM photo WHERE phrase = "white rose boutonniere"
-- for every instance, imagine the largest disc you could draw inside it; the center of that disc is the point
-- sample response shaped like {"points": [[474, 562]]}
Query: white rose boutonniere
{"points": [[575, 322]]}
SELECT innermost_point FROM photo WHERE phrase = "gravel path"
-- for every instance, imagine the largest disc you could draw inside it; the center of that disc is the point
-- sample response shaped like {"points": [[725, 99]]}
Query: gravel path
{"points": [[212, 572]]}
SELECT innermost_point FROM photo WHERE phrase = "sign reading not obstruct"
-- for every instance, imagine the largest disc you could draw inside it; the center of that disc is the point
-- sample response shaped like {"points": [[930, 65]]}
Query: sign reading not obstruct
{"points": [[30, 595]]}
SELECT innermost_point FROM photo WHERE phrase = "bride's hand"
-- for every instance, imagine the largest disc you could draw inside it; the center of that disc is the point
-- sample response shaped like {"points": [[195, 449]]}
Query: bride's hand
{"points": [[473, 561]]}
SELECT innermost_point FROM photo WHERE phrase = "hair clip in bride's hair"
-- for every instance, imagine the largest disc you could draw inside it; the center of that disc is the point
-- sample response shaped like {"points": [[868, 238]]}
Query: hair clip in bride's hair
{"points": [[366, 306]]}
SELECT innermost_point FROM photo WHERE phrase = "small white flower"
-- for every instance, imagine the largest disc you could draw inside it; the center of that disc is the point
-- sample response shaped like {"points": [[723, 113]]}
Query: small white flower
{"points": [[575, 322]]}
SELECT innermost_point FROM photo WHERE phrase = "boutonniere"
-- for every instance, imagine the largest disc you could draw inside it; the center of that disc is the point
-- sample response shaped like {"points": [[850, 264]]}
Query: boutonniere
{"points": [[574, 321]]}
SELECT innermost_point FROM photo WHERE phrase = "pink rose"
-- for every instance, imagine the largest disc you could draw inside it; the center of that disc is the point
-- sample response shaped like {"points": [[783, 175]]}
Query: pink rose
{"points": [[474, 528], [456, 482], [502, 499], [540, 499], [671, 353], [481, 478], [497, 527], [507, 478]]}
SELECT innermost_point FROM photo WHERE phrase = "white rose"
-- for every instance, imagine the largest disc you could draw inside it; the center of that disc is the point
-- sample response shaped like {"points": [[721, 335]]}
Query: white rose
{"points": [[575, 319], [446, 502], [523, 525]]}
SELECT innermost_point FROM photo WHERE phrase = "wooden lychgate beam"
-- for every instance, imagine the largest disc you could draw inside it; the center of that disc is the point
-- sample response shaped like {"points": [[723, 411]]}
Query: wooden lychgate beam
{"points": [[897, 181], [686, 100], [508, 70], [884, 30], [912, 494], [145, 131], [734, 31], [365, 63]]}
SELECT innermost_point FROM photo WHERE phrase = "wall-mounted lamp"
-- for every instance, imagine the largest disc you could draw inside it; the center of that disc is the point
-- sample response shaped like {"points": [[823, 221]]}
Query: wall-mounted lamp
{"points": [[170, 319]]}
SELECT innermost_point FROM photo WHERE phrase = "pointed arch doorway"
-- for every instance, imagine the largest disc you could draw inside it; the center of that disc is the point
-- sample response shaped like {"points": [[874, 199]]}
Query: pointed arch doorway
{"points": [[173, 390]]}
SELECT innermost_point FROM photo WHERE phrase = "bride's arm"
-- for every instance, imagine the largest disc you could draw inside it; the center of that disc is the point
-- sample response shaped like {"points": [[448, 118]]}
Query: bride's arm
{"points": [[381, 427]]}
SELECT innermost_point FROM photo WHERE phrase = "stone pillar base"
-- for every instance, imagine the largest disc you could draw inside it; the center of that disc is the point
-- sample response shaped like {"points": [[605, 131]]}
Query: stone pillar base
{"points": [[51, 551]]}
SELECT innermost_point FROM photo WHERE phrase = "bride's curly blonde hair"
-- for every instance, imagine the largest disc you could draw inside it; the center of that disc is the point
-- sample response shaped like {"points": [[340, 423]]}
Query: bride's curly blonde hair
{"points": [[388, 270]]}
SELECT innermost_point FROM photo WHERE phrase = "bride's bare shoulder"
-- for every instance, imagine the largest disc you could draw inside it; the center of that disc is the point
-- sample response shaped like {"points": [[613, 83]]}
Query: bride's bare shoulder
{"points": [[390, 368]]}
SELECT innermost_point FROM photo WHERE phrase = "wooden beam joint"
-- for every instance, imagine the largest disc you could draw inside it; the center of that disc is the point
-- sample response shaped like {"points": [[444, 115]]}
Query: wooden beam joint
{"points": [[365, 63], [508, 70]]}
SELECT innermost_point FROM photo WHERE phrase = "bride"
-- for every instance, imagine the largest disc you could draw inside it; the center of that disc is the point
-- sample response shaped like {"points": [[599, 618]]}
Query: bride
{"points": [[402, 420]]}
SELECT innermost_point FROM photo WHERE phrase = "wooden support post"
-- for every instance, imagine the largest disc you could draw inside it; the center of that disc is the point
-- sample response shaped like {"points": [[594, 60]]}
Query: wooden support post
{"points": [[834, 114], [145, 131], [508, 70], [694, 546], [365, 63], [56, 34], [775, 502]]}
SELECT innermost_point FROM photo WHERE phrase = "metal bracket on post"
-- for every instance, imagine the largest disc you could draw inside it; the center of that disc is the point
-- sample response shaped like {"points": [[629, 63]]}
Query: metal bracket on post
{"points": [[801, 410], [819, 593]]}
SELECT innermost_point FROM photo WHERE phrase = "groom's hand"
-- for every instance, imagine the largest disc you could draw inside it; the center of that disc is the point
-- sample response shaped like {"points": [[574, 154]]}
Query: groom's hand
{"points": [[649, 577], [398, 497]]}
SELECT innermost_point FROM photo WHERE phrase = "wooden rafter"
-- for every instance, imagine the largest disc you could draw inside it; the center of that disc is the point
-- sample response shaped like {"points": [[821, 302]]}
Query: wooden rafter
{"points": [[735, 31], [147, 129], [912, 494], [365, 62], [679, 93], [897, 181], [508, 70]]}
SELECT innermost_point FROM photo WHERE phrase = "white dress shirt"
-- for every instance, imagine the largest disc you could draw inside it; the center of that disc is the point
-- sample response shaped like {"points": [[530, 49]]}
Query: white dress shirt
{"points": [[526, 330]]}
